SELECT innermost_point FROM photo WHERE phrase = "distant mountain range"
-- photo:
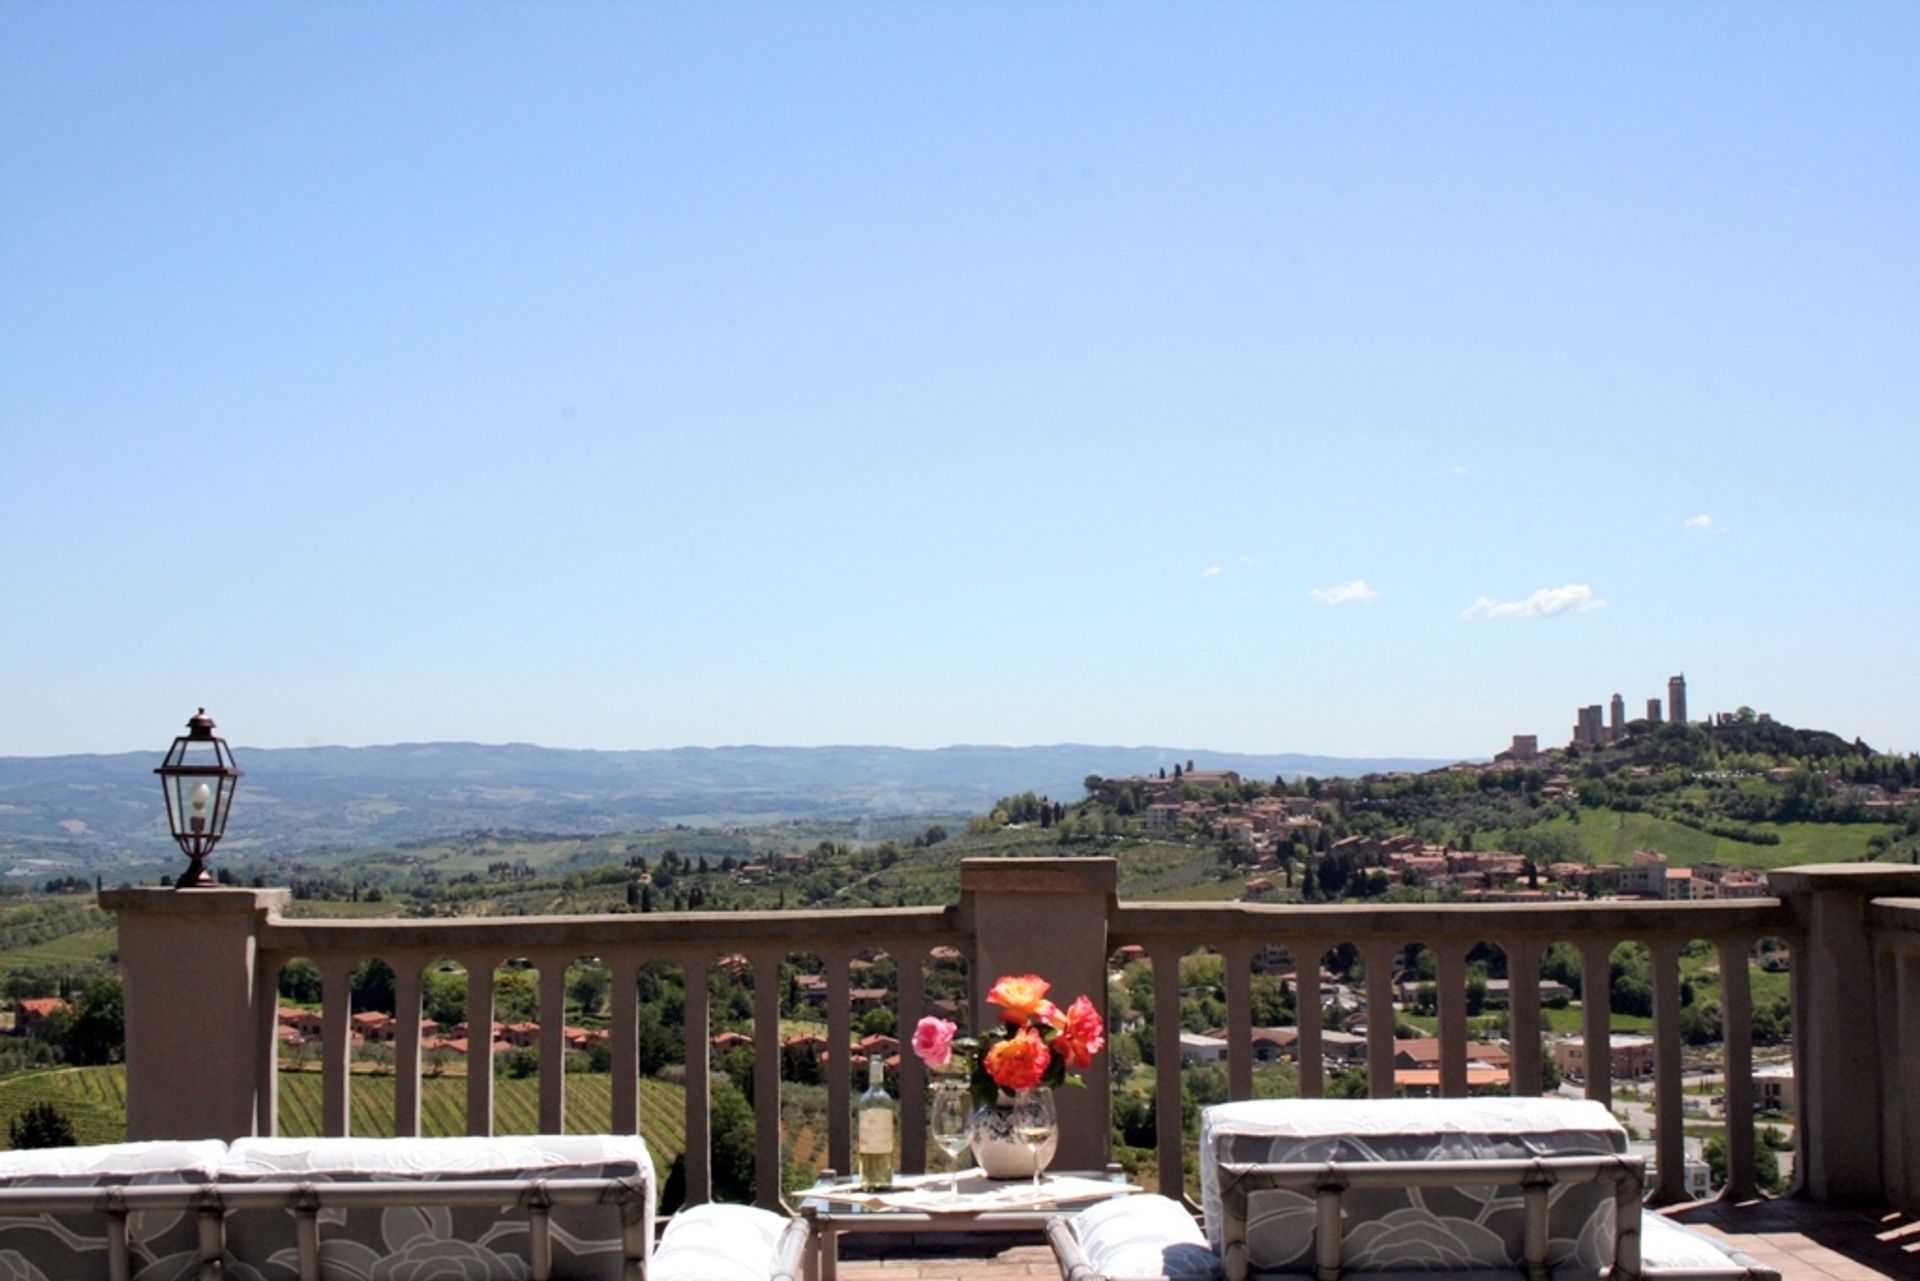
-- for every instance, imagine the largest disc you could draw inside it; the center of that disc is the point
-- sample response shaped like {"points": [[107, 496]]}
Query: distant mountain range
{"points": [[108, 808]]}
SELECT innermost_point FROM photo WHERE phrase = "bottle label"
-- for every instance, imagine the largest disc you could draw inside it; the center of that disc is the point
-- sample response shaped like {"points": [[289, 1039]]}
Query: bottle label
{"points": [[876, 1130]]}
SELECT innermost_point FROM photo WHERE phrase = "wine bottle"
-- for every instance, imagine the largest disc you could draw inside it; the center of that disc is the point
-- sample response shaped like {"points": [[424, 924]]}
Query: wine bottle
{"points": [[878, 1114]]}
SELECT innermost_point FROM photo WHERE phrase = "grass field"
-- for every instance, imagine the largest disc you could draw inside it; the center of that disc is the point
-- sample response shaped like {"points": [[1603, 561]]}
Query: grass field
{"points": [[1612, 837], [86, 948], [95, 1100]]}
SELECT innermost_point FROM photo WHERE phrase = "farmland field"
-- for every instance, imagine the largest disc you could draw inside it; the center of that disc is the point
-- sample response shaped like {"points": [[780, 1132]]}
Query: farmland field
{"points": [[516, 1107], [95, 1100], [1611, 836]]}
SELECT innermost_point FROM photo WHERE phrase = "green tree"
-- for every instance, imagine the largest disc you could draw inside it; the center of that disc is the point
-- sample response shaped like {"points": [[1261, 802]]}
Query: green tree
{"points": [[590, 988], [41, 1125], [1766, 1166], [300, 981], [443, 996], [99, 1031], [372, 985]]}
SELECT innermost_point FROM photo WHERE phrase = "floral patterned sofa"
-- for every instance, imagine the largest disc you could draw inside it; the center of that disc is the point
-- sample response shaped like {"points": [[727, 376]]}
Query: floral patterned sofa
{"points": [[1398, 1189], [573, 1208]]}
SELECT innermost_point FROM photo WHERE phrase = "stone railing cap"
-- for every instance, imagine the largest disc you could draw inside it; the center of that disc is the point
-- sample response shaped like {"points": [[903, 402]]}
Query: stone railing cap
{"points": [[1040, 875], [221, 900], [1875, 880]]}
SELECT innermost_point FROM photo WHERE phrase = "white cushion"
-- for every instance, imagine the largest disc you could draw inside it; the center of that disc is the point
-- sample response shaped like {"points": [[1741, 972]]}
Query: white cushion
{"points": [[165, 1161], [718, 1243], [1674, 1253], [1144, 1237], [590, 1156]]}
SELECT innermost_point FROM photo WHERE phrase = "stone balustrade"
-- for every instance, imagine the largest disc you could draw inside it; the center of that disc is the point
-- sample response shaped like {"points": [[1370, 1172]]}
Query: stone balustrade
{"points": [[201, 970]]}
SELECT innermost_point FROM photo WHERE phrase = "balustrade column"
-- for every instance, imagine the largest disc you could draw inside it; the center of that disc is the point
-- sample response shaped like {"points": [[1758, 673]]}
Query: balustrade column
{"points": [[624, 1029], [336, 1044], [1596, 1017], [766, 1079], [266, 1080], [1736, 1035], [1836, 1051], [479, 1044], [197, 999], [406, 1047], [1670, 1153], [1893, 1139], [1450, 972], [553, 1044], [1906, 1098], [1380, 1020], [1523, 1016], [1169, 1142], [1309, 1049], [697, 1051], [840, 1065], [913, 1085], [1239, 966]]}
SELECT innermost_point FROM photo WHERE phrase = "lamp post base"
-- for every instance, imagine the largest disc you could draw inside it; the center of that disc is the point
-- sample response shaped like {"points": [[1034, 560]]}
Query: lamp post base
{"points": [[196, 877]]}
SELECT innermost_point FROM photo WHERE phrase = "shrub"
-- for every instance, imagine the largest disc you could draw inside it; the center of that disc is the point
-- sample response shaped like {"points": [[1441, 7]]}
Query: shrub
{"points": [[41, 1125]]}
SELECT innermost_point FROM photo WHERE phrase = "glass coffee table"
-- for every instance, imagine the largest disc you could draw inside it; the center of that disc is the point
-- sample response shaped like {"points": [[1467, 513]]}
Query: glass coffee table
{"points": [[921, 1204]]}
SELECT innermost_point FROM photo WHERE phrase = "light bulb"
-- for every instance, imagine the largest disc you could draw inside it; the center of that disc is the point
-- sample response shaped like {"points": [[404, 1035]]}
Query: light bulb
{"points": [[200, 795]]}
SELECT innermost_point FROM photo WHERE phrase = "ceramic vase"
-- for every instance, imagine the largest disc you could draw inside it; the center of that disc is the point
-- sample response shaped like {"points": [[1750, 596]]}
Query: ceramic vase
{"points": [[1000, 1155]]}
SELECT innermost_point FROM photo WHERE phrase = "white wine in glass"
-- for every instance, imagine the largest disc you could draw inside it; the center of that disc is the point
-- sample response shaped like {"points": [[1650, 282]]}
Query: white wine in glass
{"points": [[1033, 1124], [952, 1122]]}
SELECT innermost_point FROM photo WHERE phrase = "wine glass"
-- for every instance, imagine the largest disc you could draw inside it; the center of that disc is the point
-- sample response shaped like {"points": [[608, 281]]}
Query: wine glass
{"points": [[952, 1123], [1033, 1124]]}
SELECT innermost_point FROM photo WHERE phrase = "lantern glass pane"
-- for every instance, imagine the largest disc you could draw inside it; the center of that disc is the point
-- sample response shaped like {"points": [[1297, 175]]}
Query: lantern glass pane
{"points": [[200, 754]]}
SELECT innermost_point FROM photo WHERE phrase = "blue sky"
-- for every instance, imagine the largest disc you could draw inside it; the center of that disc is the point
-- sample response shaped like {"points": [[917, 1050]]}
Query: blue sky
{"points": [[628, 377]]}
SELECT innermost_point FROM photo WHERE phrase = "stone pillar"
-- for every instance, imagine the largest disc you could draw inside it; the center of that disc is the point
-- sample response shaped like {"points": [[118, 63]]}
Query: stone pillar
{"points": [[1048, 917], [196, 1063], [1836, 1044]]}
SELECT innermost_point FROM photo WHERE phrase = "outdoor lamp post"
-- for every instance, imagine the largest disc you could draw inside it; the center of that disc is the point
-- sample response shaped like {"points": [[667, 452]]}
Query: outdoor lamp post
{"points": [[197, 779]]}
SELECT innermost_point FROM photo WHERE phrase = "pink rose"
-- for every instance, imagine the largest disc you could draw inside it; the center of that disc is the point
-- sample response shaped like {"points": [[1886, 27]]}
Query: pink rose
{"points": [[933, 1041]]}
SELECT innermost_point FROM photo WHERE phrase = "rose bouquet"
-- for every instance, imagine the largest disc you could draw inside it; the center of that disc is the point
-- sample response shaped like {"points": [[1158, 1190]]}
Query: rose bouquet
{"points": [[1034, 1043]]}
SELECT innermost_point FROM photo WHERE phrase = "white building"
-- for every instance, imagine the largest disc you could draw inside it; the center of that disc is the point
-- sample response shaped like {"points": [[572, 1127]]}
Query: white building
{"points": [[1195, 1048]]}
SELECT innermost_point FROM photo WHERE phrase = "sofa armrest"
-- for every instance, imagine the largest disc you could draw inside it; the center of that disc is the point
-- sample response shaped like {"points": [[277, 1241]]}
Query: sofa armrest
{"points": [[716, 1242], [1136, 1238]]}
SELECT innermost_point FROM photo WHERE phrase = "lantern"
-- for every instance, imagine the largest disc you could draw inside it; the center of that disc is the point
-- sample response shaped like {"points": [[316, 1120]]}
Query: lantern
{"points": [[197, 779]]}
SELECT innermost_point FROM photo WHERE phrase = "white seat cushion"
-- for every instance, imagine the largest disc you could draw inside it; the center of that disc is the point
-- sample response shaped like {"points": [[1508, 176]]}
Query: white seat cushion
{"points": [[1140, 1237], [109, 1163], [718, 1243], [1671, 1252]]}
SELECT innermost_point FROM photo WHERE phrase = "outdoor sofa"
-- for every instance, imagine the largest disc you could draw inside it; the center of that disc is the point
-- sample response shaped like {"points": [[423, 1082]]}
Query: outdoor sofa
{"points": [[1400, 1190], [571, 1208]]}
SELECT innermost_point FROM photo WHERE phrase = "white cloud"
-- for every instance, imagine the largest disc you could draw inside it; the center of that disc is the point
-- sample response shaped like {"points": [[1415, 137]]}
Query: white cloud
{"points": [[1703, 523], [1354, 593], [1574, 598], [1212, 571]]}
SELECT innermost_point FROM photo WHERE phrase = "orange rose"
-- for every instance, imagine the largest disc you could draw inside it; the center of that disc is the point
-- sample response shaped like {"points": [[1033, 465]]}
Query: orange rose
{"points": [[1083, 1036], [1019, 1062], [1019, 996]]}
